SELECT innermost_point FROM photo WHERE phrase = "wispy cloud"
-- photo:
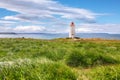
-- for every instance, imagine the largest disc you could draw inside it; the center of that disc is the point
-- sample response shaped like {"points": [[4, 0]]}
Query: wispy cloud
{"points": [[82, 28], [53, 13], [6, 22], [27, 18], [29, 29], [98, 28], [39, 9], [24, 29]]}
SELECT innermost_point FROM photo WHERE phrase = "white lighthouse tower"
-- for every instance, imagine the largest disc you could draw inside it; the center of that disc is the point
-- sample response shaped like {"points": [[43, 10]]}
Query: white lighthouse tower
{"points": [[72, 30]]}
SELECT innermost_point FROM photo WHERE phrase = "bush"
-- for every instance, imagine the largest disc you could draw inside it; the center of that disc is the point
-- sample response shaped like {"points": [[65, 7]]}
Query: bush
{"points": [[78, 58]]}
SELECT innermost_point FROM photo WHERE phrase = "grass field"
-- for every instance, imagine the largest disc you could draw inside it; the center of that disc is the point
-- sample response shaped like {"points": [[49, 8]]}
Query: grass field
{"points": [[59, 59]]}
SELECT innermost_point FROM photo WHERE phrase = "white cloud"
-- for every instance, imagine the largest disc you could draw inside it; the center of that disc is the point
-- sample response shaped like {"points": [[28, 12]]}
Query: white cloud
{"points": [[6, 22], [82, 28], [11, 18], [45, 9], [99, 28], [96, 28], [52, 13], [27, 18], [5, 29], [86, 30], [24, 29], [28, 29]]}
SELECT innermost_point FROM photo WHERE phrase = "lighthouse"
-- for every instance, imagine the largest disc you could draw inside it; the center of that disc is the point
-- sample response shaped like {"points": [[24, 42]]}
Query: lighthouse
{"points": [[72, 30]]}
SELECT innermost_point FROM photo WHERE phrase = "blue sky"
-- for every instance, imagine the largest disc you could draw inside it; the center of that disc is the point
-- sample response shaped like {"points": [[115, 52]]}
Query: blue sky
{"points": [[110, 7], [54, 16]]}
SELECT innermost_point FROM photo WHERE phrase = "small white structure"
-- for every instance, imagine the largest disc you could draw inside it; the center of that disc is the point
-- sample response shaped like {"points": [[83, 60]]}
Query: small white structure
{"points": [[72, 30]]}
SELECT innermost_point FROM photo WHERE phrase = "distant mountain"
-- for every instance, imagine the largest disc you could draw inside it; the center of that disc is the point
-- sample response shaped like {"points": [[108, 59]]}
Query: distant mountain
{"points": [[7, 33]]}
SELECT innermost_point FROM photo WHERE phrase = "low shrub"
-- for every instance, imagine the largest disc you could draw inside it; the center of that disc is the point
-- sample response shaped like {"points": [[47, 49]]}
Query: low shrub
{"points": [[78, 58]]}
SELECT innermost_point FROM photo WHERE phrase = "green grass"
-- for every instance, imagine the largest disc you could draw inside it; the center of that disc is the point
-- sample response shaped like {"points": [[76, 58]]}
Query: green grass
{"points": [[59, 59], [37, 70]]}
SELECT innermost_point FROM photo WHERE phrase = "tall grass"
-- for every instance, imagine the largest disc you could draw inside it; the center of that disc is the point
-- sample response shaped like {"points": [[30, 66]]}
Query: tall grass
{"points": [[59, 59], [106, 73], [37, 70]]}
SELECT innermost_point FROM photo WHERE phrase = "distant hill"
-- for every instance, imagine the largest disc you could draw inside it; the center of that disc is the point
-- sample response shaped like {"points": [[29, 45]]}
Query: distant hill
{"points": [[7, 33]]}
